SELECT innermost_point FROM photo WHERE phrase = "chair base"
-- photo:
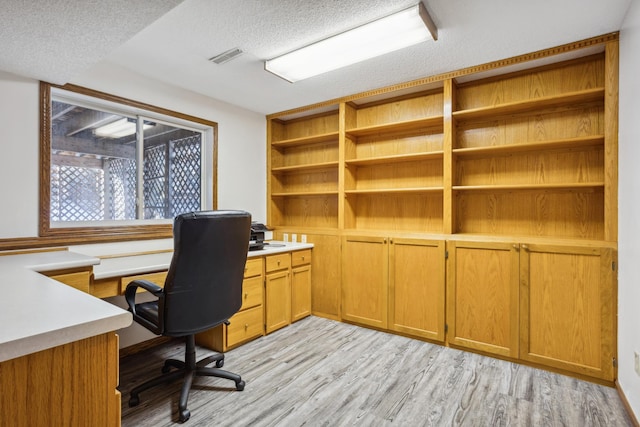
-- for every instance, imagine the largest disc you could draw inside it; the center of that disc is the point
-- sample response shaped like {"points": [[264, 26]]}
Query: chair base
{"points": [[187, 370]]}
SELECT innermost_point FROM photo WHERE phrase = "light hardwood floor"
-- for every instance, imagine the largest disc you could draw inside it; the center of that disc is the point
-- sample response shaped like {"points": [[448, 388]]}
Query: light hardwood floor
{"points": [[319, 372]]}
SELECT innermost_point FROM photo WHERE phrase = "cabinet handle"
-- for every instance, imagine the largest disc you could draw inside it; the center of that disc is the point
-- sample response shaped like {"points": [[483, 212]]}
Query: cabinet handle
{"points": [[246, 295], [391, 241], [246, 326], [525, 247], [516, 247], [303, 257], [278, 262]]}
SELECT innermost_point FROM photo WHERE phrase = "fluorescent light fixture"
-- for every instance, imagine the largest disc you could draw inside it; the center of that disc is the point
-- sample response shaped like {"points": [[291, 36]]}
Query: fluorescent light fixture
{"points": [[119, 128], [388, 34]]}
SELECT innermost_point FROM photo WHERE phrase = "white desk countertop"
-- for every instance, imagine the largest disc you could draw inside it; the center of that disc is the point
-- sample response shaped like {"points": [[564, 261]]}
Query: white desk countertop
{"points": [[38, 313], [140, 264]]}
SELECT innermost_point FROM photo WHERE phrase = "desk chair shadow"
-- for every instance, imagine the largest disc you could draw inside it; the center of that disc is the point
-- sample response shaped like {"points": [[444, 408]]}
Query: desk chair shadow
{"points": [[203, 289]]}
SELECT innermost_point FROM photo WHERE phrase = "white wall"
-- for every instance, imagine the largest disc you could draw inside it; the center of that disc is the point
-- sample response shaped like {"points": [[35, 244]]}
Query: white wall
{"points": [[19, 160], [629, 208]]}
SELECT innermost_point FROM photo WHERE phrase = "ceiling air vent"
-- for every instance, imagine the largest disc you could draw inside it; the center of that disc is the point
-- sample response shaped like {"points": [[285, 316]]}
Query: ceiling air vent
{"points": [[226, 56]]}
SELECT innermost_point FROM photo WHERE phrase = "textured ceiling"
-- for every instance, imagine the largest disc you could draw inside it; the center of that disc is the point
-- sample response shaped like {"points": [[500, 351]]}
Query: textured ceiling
{"points": [[55, 40], [176, 47]]}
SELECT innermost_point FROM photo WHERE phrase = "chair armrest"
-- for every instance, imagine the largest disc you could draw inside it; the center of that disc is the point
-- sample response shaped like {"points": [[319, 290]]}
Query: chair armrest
{"points": [[132, 288]]}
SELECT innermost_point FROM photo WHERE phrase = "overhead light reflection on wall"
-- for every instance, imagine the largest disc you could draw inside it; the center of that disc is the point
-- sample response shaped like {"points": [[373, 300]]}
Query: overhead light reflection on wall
{"points": [[388, 34]]}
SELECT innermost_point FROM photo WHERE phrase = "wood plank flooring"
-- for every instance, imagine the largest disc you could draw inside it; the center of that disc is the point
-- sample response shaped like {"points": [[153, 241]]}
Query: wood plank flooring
{"points": [[319, 372]]}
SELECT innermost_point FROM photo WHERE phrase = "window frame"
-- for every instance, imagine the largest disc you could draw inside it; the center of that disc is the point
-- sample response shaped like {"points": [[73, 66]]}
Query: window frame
{"points": [[147, 229]]}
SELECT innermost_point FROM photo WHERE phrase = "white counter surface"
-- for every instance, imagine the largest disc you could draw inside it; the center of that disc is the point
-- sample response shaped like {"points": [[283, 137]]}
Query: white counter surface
{"points": [[139, 264], [37, 313]]}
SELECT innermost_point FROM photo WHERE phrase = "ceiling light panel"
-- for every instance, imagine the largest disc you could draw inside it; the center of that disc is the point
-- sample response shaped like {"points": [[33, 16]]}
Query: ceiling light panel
{"points": [[405, 28]]}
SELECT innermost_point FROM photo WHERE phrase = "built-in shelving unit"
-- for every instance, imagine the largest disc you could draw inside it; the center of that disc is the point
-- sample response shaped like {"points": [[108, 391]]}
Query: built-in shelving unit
{"points": [[511, 166]]}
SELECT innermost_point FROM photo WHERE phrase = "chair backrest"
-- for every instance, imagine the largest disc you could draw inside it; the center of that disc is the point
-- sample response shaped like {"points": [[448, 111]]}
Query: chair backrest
{"points": [[204, 283]]}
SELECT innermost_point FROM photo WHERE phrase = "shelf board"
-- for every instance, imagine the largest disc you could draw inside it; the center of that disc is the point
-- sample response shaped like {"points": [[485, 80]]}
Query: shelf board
{"points": [[558, 144], [524, 187], [531, 105], [313, 139], [415, 190], [406, 126], [311, 166], [398, 158], [305, 194]]}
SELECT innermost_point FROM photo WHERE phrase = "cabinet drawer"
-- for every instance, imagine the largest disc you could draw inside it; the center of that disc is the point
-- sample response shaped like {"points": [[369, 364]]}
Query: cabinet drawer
{"points": [[245, 325], [253, 267], [251, 292], [79, 280], [158, 278], [300, 257], [278, 262]]}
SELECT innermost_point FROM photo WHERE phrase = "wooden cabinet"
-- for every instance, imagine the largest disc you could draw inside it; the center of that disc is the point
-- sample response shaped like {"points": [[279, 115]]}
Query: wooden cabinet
{"points": [[482, 296], [300, 284], [417, 287], [518, 152], [248, 322], [364, 280], [277, 291], [76, 278], [69, 385], [395, 284], [553, 305], [567, 308]]}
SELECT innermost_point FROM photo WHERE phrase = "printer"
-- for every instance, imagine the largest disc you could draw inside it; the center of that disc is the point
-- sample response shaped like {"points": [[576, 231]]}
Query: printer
{"points": [[256, 238]]}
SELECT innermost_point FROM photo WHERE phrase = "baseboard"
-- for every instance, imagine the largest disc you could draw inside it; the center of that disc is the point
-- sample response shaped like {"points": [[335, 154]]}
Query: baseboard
{"points": [[625, 402], [144, 345]]}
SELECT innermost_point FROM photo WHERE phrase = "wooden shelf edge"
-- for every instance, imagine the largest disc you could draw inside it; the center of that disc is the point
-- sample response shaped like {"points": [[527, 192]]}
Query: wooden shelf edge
{"points": [[435, 122], [306, 194], [525, 187], [531, 104], [311, 166], [580, 142], [419, 190], [399, 158], [324, 137]]}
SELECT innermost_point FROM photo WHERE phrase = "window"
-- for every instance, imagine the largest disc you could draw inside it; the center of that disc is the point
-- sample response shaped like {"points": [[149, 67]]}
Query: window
{"points": [[119, 168]]}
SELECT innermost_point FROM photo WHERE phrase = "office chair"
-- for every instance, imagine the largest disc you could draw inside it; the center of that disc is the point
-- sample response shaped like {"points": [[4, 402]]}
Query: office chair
{"points": [[203, 289]]}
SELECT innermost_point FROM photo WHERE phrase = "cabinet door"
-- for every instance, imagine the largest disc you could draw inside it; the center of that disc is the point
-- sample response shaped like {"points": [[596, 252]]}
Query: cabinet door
{"points": [[364, 280], [567, 308], [277, 300], [482, 296], [416, 287], [300, 292]]}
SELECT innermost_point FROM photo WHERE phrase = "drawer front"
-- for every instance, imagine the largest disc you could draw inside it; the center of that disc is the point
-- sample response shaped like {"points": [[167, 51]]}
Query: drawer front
{"points": [[251, 292], [301, 257], [278, 262], [253, 267], [245, 325], [157, 278], [78, 280]]}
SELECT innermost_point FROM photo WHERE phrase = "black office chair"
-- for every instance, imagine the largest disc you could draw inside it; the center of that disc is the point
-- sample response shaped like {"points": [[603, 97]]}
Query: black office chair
{"points": [[203, 289]]}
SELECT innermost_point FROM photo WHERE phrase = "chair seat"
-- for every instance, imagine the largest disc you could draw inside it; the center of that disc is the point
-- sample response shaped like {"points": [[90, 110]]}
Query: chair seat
{"points": [[148, 311]]}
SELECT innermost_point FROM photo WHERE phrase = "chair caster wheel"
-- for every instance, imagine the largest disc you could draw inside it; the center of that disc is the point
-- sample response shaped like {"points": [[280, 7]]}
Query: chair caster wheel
{"points": [[220, 363], [240, 385], [184, 415], [134, 401], [166, 369]]}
